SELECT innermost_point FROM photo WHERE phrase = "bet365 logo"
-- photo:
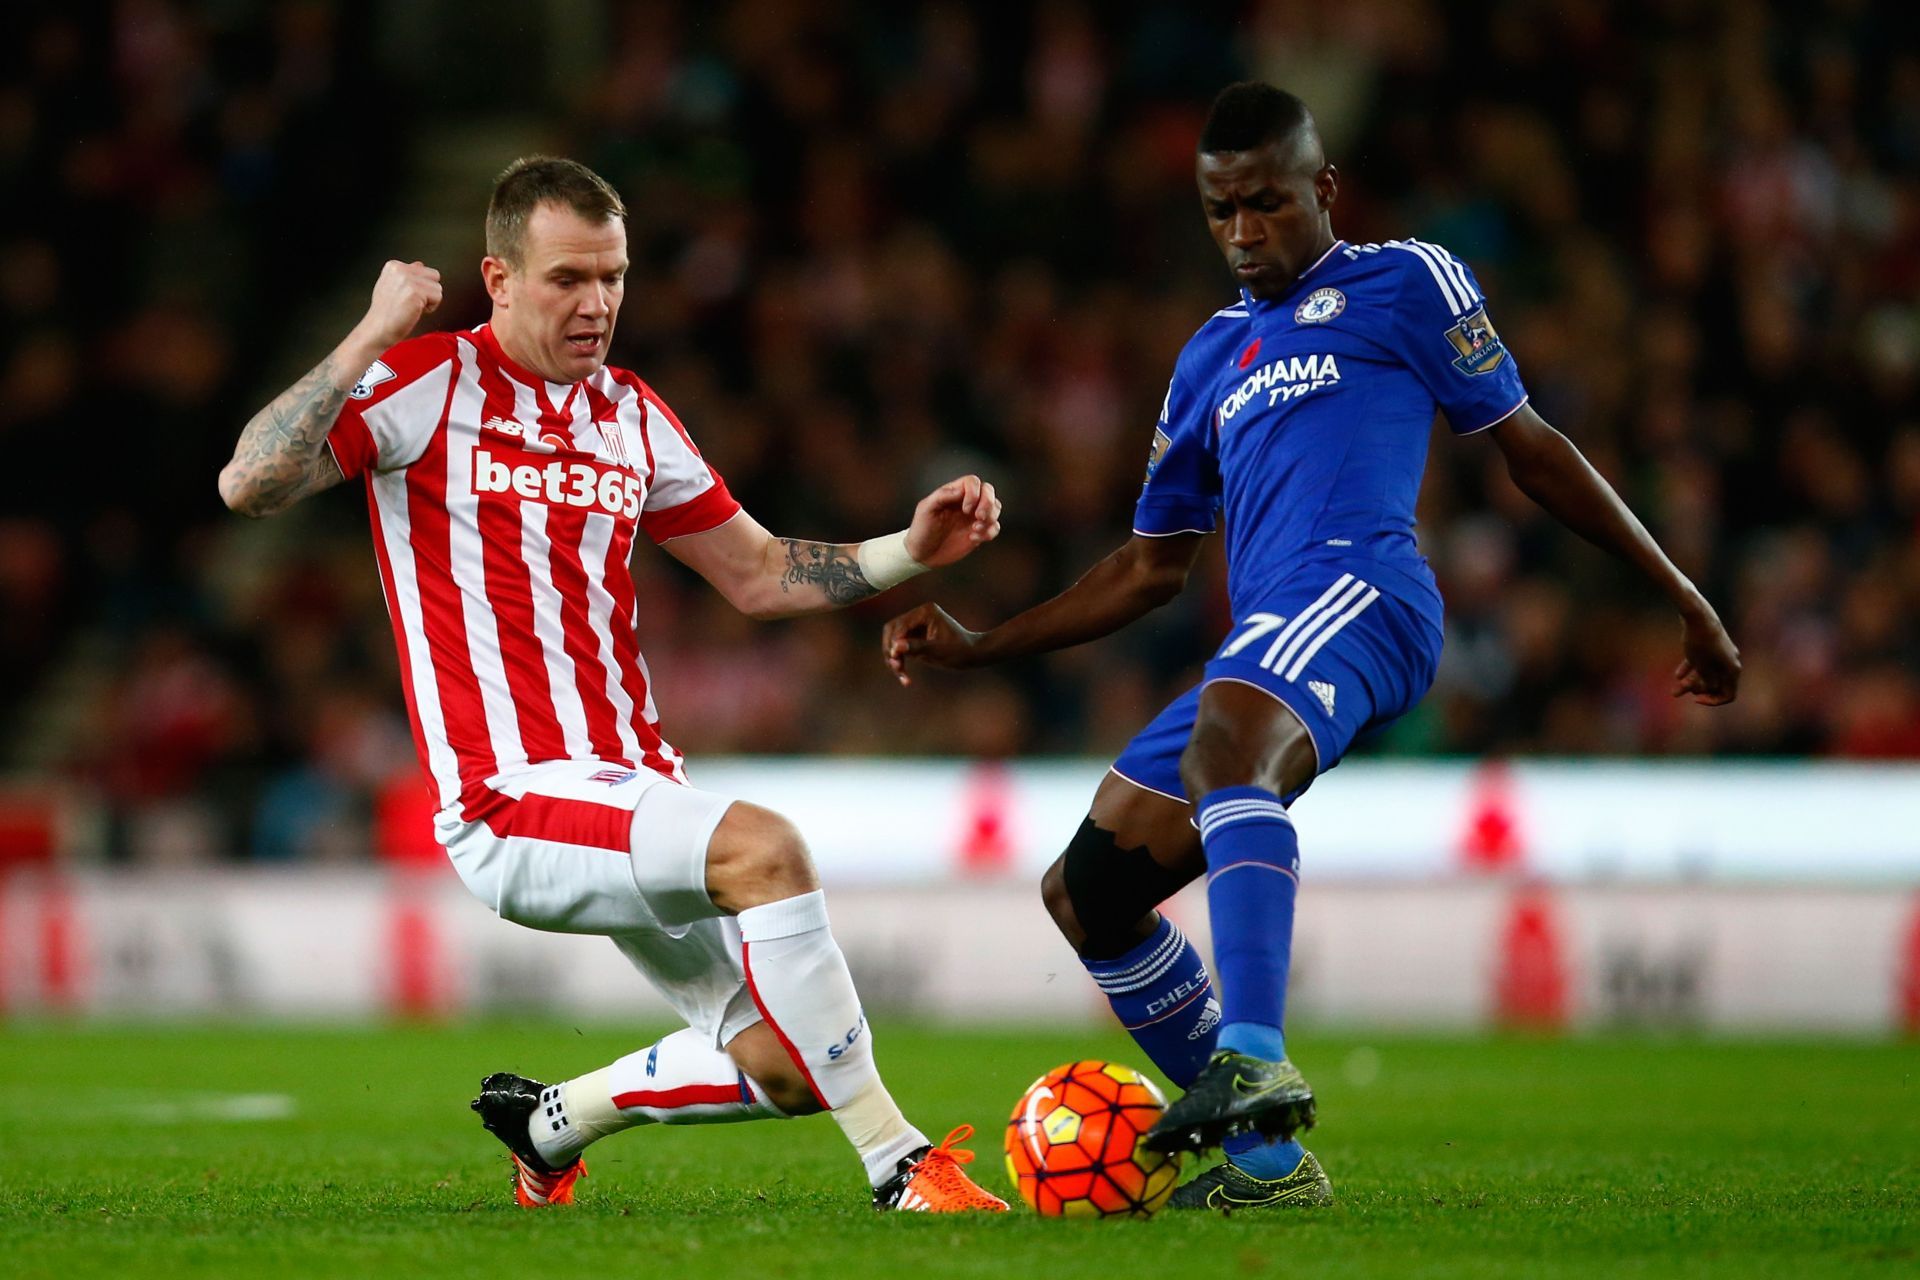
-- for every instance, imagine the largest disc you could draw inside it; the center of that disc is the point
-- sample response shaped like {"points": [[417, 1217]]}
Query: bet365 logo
{"points": [[591, 486]]}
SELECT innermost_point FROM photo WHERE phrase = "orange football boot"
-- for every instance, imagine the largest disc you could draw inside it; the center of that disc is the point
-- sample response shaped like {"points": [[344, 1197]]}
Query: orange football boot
{"points": [[505, 1104], [932, 1181], [533, 1189]]}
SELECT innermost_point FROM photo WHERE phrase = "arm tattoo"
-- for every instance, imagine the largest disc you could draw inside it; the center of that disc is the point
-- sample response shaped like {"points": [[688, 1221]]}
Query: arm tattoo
{"points": [[829, 566], [281, 456]]}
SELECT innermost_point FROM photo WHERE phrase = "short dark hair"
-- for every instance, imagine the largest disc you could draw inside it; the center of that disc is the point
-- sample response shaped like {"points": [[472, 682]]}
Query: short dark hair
{"points": [[532, 181], [1251, 114]]}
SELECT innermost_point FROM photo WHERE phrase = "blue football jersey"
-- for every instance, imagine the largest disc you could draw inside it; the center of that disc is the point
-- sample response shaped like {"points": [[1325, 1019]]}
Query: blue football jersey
{"points": [[1306, 417]]}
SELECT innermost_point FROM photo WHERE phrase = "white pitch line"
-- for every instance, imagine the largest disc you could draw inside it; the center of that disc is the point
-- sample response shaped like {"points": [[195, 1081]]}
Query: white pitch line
{"points": [[240, 1108]]}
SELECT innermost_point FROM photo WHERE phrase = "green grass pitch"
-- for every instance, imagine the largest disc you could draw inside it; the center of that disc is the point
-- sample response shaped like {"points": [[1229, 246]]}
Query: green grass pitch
{"points": [[303, 1152]]}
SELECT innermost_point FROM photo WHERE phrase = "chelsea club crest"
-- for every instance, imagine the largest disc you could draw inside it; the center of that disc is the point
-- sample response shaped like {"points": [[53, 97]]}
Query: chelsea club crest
{"points": [[1320, 306]]}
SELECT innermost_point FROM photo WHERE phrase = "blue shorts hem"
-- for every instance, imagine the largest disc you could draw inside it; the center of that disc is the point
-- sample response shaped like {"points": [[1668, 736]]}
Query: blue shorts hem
{"points": [[1126, 777]]}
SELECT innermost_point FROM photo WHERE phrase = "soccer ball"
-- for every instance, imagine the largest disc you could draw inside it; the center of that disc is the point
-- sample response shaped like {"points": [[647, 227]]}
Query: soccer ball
{"points": [[1073, 1144]]}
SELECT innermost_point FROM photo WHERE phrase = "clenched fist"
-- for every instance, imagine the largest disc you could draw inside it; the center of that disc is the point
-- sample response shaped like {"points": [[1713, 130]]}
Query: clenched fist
{"points": [[1709, 672], [404, 292]]}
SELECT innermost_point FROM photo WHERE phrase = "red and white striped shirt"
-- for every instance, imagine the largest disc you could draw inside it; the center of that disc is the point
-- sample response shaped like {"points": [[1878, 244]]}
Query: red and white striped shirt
{"points": [[504, 508]]}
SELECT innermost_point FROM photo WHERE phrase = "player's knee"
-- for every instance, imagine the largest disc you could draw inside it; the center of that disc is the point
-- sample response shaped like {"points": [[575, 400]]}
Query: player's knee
{"points": [[755, 857], [1059, 904], [1108, 893]]}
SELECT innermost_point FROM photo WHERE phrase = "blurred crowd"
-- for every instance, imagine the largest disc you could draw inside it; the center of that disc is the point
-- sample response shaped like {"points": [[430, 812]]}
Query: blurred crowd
{"points": [[877, 244]]}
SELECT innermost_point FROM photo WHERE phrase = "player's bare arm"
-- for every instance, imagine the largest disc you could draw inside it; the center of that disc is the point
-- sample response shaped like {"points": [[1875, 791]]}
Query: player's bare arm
{"points": [[833, 568], [770, 577], [1548, 468], [282, 455], [1139, 577]]}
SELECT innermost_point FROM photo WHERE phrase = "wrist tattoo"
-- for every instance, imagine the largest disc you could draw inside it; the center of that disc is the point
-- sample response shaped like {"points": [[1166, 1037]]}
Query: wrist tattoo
{"points": [[826, 565]]}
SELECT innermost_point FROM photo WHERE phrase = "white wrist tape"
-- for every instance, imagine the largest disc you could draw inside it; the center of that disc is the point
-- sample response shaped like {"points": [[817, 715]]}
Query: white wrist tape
{"points": [[885, 562]]}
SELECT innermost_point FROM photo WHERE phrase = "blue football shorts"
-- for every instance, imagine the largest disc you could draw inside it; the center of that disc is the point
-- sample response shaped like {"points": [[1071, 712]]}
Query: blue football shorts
{"points": [[1346, 657]]}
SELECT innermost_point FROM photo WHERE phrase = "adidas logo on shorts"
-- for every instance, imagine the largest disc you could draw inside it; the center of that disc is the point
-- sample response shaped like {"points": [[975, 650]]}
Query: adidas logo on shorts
{"points": [[1323, 691]]}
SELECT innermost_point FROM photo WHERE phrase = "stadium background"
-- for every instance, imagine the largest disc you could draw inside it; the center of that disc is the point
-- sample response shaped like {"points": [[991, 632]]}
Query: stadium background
{"points": [[241, 998], [875, 244]]}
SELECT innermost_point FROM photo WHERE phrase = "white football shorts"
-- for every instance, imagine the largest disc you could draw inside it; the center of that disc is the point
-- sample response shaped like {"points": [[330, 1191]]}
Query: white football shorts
{"points": [[580, 846]]}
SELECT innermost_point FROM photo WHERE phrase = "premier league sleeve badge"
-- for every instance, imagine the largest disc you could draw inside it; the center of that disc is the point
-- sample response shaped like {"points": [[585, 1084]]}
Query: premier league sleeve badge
{"points": [[1479, 347]]}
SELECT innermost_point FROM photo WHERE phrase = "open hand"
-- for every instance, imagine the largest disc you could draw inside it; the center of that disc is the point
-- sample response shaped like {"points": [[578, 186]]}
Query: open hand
{"points": [[929, 633], [952, 520], [1710, 671]]}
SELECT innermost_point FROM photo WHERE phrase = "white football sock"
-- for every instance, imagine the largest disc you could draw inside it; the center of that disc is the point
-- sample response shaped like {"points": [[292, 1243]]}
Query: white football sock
{"points": [[681, 1080], [800, 984]]}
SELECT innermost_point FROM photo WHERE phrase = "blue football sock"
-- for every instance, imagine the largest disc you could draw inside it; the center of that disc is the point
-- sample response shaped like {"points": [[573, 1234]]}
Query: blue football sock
{"points": [[1261, 1158], [1163, 996], [1253, 861], [1255, 1039]]}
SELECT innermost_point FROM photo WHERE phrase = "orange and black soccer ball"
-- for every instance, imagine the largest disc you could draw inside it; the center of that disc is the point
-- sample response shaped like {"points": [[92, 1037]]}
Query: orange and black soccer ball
{"points": [[1073, 1144]]}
